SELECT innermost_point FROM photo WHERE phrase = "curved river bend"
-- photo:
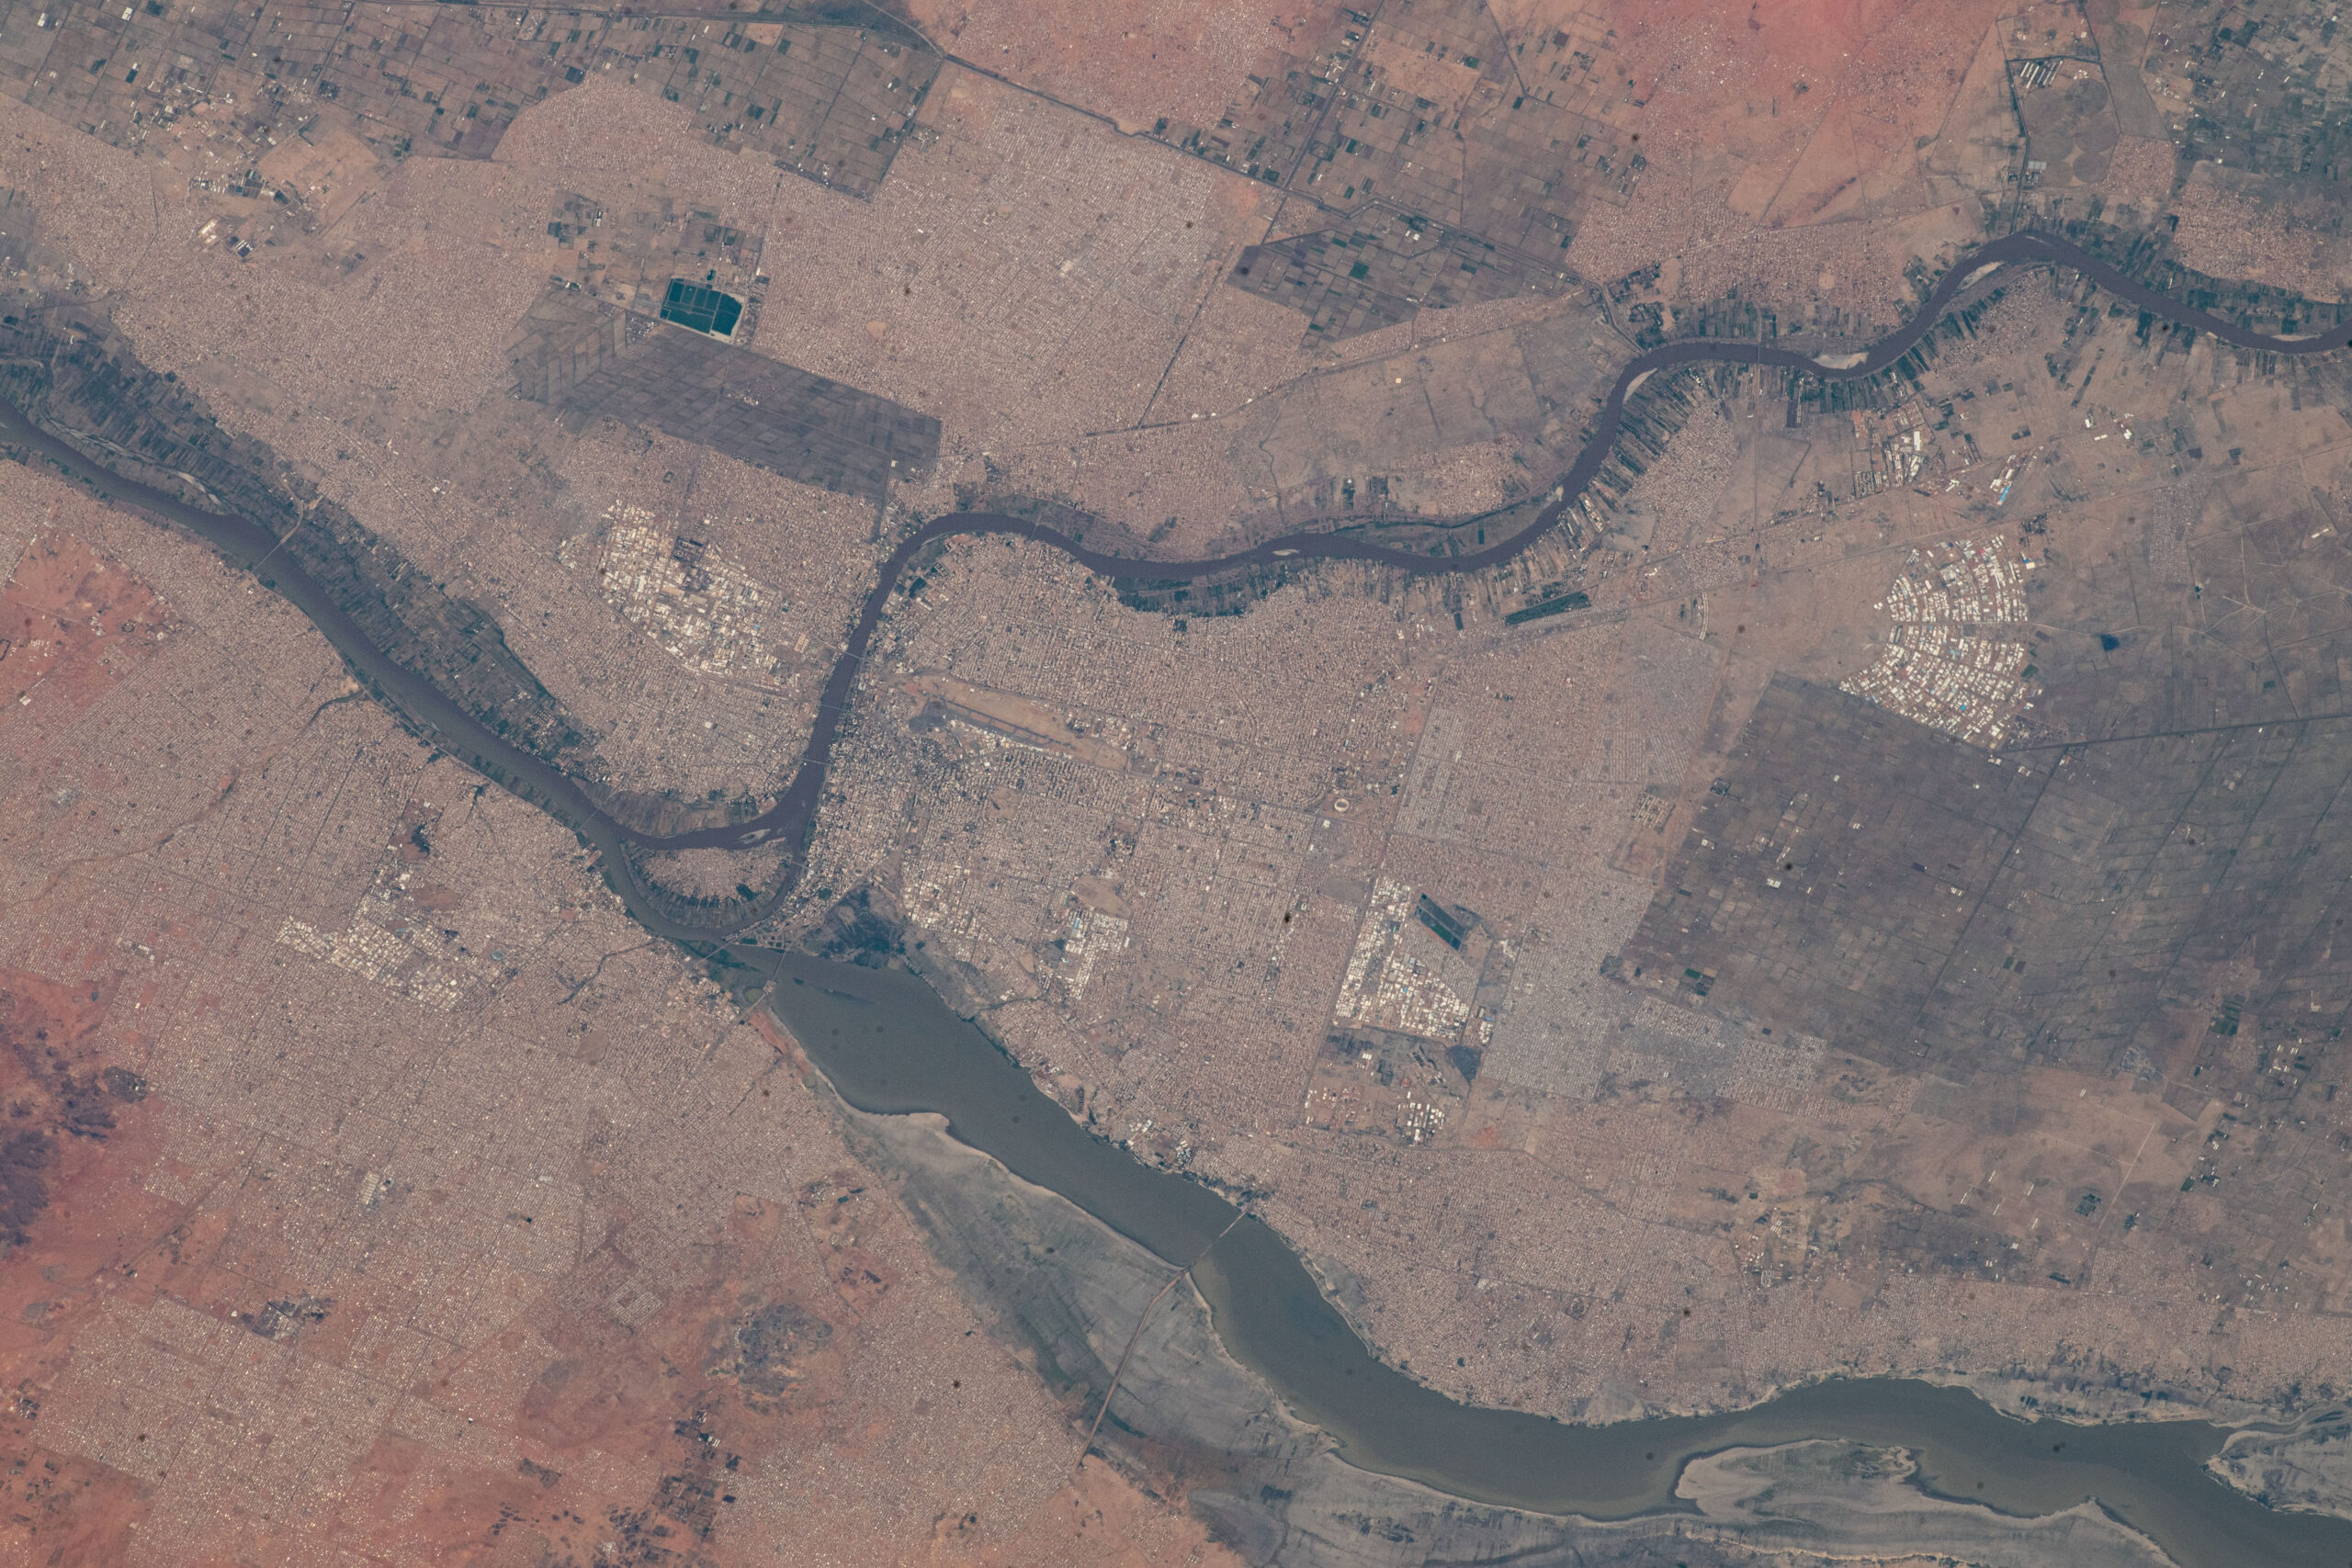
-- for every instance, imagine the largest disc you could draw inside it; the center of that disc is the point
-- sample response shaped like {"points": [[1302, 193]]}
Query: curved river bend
{"points": [[891, 1046], [793, 816]]}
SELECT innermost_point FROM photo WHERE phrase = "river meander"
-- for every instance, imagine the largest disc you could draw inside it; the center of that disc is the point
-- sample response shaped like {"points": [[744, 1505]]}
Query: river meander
{"points": [[890, 1044], [791, 817]]}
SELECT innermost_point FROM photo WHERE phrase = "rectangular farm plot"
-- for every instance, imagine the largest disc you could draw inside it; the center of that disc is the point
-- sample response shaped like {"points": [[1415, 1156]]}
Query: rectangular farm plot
{"points": [[593, 362]]}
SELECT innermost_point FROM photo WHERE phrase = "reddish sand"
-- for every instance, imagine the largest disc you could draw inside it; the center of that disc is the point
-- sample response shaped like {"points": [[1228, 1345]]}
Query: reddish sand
{"points": [[62, 610], [74, 1138], [1133, 60]]}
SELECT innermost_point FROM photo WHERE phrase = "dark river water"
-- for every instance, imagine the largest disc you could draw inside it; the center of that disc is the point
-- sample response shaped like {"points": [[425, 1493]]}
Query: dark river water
{"points": [[890, 1044], [792, 816]]}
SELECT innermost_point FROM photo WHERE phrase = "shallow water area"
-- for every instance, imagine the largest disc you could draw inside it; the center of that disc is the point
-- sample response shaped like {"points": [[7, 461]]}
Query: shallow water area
{"points": [[890, 1046]]}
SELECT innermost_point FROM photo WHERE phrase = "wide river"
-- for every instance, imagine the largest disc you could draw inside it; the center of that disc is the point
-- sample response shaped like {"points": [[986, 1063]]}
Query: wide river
{"points": [[890, 1044]]}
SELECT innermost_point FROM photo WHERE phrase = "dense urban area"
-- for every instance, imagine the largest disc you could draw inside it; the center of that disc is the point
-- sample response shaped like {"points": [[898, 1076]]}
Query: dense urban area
{"points": [[1853, 896]]}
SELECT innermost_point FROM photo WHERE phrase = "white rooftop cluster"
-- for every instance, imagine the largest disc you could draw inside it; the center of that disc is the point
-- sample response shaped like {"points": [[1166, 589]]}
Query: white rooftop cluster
{"points": [[706, 612], [1386, 985], [403, 961], [1940, 668], [1092, 934]]}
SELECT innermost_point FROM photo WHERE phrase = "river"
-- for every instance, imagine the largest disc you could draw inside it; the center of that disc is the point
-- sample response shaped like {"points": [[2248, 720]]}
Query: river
{"points": [[890, 1046], [792, 815]]}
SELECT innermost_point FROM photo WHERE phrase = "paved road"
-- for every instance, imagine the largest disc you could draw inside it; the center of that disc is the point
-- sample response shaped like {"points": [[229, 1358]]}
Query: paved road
{"points": [[794, 814]]}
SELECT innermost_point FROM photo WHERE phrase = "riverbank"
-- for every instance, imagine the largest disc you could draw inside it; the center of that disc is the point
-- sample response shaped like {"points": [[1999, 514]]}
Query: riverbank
{"points": [[1269, 1378]]}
